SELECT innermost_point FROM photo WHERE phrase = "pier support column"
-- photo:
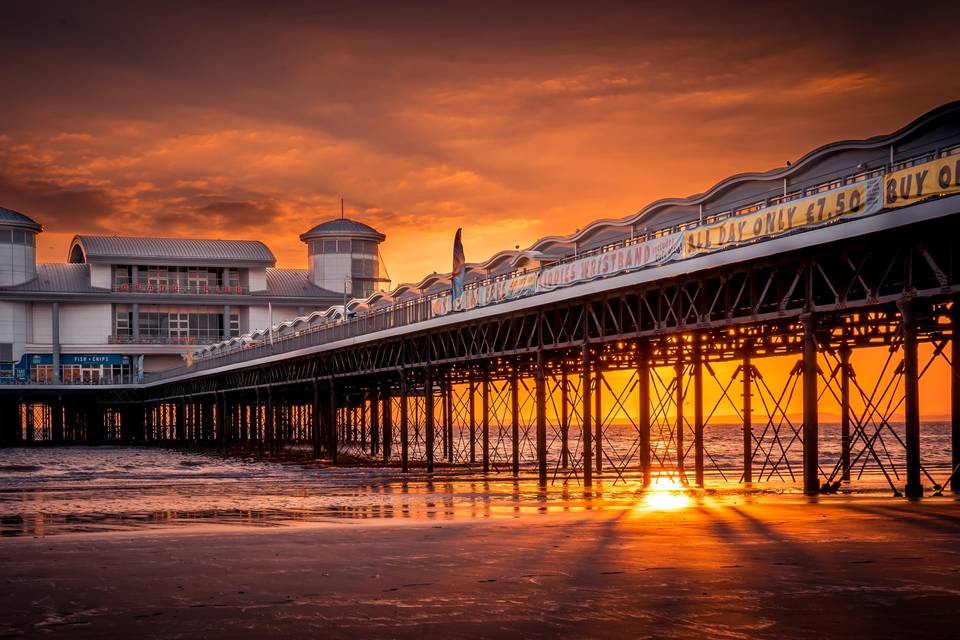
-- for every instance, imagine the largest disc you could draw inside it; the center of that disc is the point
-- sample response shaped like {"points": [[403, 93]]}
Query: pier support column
{"points": [[428, 418], [911, 399], [679, 435], [541, 392], [332, 439], [564, 419], [270, 420], [515, 418], [315, 422], [698, 411], [376, 427], [585, 387], [485, 420], [471, 408], [845, 413], [598, 414], [811, 424], [386, 417], [448, 418], [362, 410], [748, 413], [181, 420], [56, 419], [404, 425], [955, 396], [643, 410]]}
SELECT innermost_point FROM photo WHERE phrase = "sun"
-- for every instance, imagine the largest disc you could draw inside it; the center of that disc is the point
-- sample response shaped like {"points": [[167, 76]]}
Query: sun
{"points": [[664, 494]]}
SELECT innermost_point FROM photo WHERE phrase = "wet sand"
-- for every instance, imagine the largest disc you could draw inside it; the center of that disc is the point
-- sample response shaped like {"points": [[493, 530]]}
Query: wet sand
{"points": [[709, 566]]}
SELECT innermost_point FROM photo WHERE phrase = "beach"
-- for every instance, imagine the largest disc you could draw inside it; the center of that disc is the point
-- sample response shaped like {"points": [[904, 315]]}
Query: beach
{"points": [[469, 559]]}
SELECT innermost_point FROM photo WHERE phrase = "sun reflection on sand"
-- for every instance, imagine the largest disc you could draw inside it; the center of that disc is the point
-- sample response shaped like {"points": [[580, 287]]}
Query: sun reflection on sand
{"points": [[665, 494]]}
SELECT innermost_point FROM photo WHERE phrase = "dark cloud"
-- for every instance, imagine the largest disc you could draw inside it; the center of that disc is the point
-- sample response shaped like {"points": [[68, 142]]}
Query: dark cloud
{"points": [[53, 204], [515, 120], [236, 215]]}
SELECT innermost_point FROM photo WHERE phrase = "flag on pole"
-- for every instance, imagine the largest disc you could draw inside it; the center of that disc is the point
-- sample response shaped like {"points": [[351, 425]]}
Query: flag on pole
{"points": [[459, 270]]}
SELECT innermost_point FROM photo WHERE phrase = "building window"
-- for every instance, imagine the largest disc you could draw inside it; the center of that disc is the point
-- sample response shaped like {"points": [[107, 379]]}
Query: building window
{"points": [[363, 268], [123, 325], [121, 276], [343, 246], [179, 324]]}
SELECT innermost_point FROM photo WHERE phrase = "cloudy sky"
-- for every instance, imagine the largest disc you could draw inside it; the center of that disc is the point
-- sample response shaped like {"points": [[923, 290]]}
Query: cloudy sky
{"points": [[511, 120]]}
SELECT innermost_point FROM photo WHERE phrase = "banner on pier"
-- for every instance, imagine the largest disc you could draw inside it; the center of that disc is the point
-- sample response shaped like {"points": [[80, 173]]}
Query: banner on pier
{"points": [[634, 256], [472, 297], [851, 200], [913, 184]]}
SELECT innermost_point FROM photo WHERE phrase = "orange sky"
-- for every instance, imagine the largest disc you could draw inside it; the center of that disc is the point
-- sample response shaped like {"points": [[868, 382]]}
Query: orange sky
{"points": [[511, 120]]}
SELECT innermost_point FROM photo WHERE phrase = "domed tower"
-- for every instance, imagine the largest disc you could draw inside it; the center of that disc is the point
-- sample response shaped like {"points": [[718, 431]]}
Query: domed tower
{"points": [[344, 256], [18, 248]]}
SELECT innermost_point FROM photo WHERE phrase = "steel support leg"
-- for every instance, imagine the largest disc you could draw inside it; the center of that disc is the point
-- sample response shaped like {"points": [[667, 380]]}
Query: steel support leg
{"points": [[541, 392], [585, 387], [375, 426], [515, 419], [428, 415], [333, 443], [911, 399], [681, 445], [698, 412], [845, 413], [564, 420], [748, 414], [643, 413], [473, 420], [598, 415], [448, 420], [404, 425], [315, 427], [485, 420], [955, 396], [811, 425], [387, 418]]}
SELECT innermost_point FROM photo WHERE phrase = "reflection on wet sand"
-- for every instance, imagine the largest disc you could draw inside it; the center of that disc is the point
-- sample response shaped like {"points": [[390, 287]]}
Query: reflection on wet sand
{"points": [[84, 490]]}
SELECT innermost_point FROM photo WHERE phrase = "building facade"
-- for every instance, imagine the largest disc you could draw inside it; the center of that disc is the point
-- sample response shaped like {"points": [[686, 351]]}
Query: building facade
{"points": [[124, 306]]}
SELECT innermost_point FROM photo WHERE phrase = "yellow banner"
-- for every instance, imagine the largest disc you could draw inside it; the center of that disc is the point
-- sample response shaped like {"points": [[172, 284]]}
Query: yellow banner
{"points": [[909, 186], [855, 199]]}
